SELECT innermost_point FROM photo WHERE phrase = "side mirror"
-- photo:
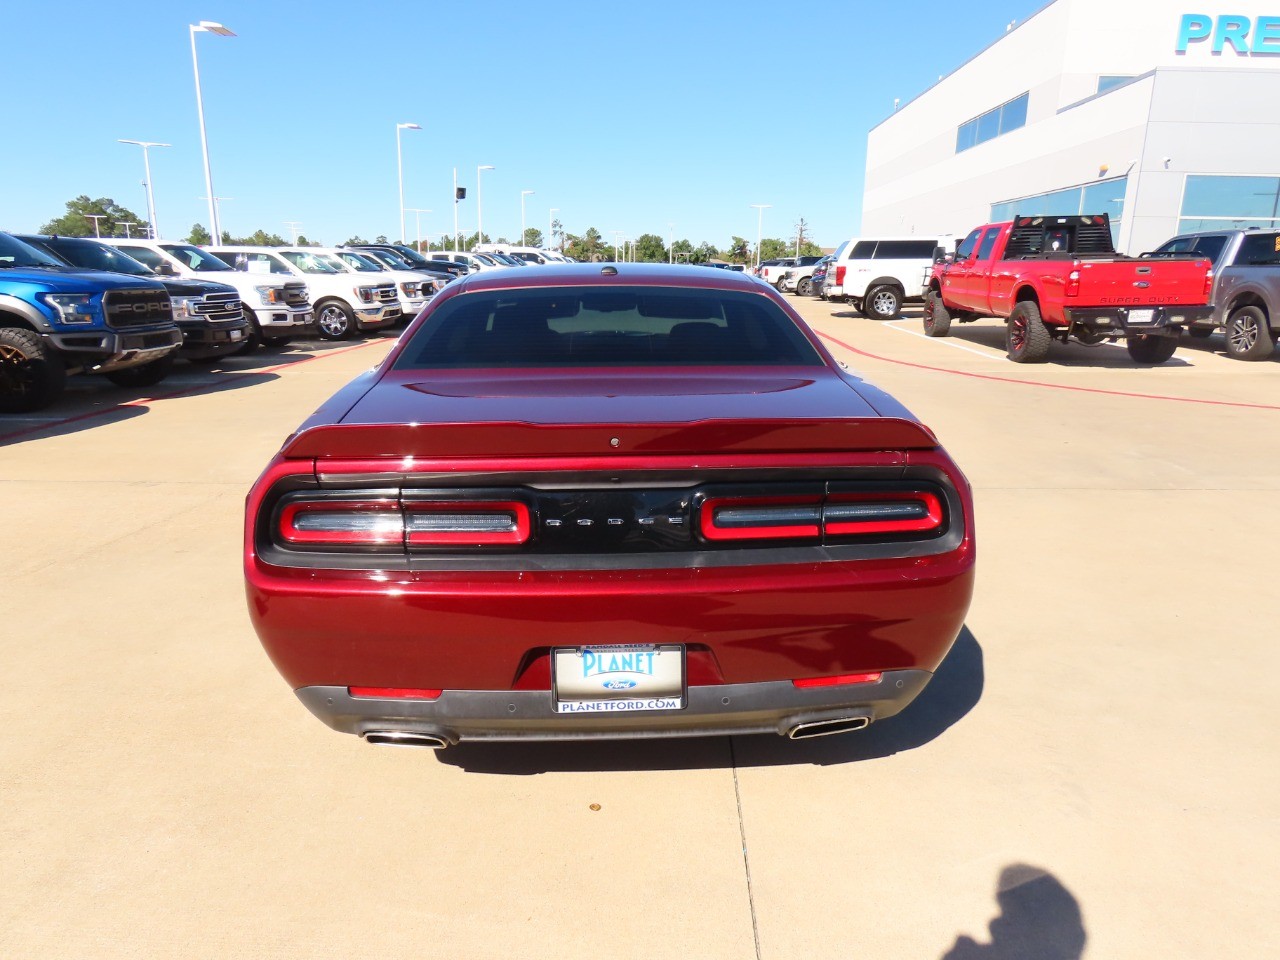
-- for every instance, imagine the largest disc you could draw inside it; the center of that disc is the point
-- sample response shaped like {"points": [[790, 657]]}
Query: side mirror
{"points": [[165, 269]]}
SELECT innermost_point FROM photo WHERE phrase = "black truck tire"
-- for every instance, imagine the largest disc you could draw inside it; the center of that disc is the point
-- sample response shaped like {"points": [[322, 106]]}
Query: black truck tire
{"points": [[252, 336], [804, 288], [1147, 348], [1025, 335], [937, 319], [882, 303], [143, 375], [1247, 334], [31, 375]]}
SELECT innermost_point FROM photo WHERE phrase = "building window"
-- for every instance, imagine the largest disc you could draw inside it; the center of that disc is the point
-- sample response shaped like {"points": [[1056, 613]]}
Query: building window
{"points": [[1229, 203], [1103, 196], [1111, 81], [1001, 120]]}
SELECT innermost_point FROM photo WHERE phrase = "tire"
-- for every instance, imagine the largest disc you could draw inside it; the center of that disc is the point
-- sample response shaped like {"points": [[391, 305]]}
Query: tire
{"points": [[882, 303], [144, 375], [777, 284], [334, 321], [937, 319], [31, 375], [1247, 334], [1151, 349], [804, 288], [253, 337], [1025, 335], [1200, 333]]}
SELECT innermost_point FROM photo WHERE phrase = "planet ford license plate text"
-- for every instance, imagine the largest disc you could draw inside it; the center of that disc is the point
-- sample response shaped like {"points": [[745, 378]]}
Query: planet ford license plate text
{"points": [[618, 679]]}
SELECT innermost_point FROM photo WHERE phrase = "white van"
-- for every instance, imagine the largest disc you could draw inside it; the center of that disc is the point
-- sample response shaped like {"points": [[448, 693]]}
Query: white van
{"points": [[878, 274]]}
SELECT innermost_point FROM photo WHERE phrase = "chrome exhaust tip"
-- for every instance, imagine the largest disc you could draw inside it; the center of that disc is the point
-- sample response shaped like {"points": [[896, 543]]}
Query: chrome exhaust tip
{"points": [[405, 738], [825, 728]]}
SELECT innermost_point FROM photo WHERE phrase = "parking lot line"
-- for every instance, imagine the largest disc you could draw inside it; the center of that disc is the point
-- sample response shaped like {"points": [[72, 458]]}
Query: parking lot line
{"points": [[1040, 383], [892, 325]]}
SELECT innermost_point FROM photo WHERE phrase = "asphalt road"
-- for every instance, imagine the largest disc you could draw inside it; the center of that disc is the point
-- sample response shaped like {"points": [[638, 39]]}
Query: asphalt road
{"points": [[1092, 773]]}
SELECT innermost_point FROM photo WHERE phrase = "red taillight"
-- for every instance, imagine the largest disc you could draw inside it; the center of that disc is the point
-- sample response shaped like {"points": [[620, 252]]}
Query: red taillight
{"points": [[761, 518], [840, 276], [838, 681], [838, 514], [868, 513], [1073, 284], [342, 523], [395, 693], [1208, 283], [461, 522]]}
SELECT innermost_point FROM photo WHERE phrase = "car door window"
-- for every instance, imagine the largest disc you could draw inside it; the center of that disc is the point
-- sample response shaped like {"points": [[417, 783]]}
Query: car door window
{"points": [[1259, 250], [968, 245], [988, 243], [863, 250]]}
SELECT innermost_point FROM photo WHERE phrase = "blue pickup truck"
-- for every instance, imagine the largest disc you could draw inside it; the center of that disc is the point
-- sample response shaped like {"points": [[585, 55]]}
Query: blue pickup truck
{"points": [[56, 320]]}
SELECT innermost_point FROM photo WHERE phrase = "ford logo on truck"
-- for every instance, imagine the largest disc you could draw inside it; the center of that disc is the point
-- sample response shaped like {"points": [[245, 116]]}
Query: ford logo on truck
{"points": [[153, 306]]}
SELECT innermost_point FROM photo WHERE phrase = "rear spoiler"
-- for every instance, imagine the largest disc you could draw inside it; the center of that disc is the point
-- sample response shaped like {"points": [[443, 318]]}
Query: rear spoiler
{"points": [[489, 440]]}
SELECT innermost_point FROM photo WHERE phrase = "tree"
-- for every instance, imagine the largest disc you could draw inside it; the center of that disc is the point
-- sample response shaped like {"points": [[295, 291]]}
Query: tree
{"points": [[199, 235], [259, 238], [650, 248], [532, 237], [557, 230], [381, 238], [77, 222], [355, 241], [588, 248], [469, 243], [304, 242], [771, 248], [703, 253], [739, 251], [803, 243], [682, 250]]}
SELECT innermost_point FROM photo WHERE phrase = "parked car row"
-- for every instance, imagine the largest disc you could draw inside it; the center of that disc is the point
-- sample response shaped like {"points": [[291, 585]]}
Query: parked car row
{"points": [[128, 308]]}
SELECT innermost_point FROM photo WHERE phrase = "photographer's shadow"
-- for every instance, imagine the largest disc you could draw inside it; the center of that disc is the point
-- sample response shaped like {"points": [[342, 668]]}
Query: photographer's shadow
{"points": [[1039, 920]]}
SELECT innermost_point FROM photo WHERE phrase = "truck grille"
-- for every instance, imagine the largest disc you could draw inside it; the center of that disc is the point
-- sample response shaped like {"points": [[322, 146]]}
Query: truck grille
{"points": [[385, 294], [125, 309], [295, 294], [219, 307]]}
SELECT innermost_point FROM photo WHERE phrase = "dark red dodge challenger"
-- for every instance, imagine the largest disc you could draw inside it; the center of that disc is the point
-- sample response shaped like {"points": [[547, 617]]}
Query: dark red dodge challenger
{"points": [[608, 501]]}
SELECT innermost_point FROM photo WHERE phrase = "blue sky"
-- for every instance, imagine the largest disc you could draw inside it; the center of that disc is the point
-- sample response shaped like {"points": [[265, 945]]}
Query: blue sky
{"points": [[625, 117]]}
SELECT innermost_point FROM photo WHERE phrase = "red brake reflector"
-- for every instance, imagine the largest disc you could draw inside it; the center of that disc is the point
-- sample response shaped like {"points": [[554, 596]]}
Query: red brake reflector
{"points": [[839, 681], [395, 693]]}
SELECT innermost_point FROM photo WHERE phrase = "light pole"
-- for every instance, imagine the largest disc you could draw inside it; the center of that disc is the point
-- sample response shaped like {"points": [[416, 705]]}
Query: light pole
{"points": [[417, 218], [217, 212], [400, 170], [551, 228], [95, 217], [671, 243], [206, 26], [293, 226], [456, 199], [146, 166], [523, 194], [127, 224], [760, 208], [479, 221]]}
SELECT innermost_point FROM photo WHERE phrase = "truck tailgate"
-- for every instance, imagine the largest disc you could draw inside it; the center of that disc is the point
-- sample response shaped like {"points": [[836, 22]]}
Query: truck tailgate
{"points": [[1153, 282]]}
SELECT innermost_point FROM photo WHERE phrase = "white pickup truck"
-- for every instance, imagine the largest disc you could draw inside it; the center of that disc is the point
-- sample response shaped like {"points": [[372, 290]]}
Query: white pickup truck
{"points": [[277, 308], [415, 289], [343, 302]]}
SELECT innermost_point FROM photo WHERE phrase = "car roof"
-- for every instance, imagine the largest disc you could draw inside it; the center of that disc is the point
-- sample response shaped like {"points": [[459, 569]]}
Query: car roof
{"points": [[610, 274]]}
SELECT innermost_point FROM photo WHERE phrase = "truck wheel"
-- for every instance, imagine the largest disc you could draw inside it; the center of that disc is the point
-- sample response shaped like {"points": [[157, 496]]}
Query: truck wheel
{"points": [[334, 321], [1151, 349], [804, 288], [937, 319], [1247, 335], [143, 375], [777, 284], [1026, 337], [31, 375], [252, 336], [882, 303]]}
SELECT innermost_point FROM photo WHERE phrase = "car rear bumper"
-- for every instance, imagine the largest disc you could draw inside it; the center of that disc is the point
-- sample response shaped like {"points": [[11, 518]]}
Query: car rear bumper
{"points": [[770, 707], [1116, 320]]}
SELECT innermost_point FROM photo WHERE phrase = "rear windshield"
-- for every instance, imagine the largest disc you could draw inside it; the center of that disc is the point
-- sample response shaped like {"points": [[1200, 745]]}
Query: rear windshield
{"points": [[614, 326]]}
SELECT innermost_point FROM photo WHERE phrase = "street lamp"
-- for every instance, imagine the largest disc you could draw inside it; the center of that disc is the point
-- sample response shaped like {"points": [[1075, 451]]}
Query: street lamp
{"points": [[400, 170], [217, 212], [146, 166], [523, 194], [206, 26], [95, 217], [126, 224], [479, 221], [417, 217], [551, 228], [671, 243], [760, 208], [293, 226]]}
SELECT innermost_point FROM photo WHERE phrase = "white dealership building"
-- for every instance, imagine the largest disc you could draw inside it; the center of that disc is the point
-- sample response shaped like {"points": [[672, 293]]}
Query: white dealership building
{"points": [[1164, 115]]}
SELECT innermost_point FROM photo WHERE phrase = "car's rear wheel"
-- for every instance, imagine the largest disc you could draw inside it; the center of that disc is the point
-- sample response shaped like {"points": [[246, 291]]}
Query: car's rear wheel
{"points": [[937, 319], [143, 375], [777, 284], [1247, 335], [334, 321], [804, 288], [31, 375], [882, 303], [1026, 337], [1148, 348]]}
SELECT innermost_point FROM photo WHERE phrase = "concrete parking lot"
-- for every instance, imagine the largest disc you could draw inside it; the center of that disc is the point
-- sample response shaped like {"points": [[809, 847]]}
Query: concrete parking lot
{"points": [[1092, 773]]}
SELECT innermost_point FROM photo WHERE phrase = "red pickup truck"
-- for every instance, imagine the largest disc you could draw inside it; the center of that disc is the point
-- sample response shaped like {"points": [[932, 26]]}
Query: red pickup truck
{"points": [[1061, 278]]}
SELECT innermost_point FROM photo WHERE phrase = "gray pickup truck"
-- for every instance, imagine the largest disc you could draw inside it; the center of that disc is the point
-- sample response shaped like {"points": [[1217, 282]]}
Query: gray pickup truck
{"points": [[1246, 287]]}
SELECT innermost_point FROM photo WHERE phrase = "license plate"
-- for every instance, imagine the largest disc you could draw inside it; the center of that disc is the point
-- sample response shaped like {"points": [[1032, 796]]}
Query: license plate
{"points": [[237, 334], [618, 679], [1142, 316]]}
